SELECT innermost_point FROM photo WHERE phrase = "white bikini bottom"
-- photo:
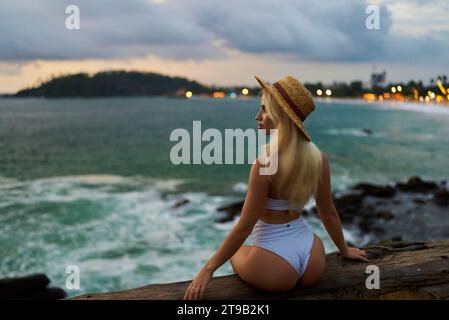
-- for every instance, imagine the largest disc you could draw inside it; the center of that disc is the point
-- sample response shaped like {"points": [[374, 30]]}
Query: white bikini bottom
{"points": [[292, 241]]}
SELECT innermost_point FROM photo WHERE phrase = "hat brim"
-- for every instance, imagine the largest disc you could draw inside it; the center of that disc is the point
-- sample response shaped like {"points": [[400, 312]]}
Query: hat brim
{"points": [[280, 100], [262, 83]]}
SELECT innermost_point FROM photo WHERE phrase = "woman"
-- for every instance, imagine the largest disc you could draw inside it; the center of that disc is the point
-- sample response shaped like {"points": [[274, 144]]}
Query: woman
{"points": [[284, 251]]}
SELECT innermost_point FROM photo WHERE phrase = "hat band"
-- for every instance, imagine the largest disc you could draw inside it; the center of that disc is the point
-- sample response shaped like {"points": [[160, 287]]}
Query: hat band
{"points": [[289, 101]]}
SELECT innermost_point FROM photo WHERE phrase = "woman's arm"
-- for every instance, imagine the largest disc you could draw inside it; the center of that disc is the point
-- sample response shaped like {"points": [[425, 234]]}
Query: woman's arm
{"points": [[253, 207], [327, 211], [329, 215]]}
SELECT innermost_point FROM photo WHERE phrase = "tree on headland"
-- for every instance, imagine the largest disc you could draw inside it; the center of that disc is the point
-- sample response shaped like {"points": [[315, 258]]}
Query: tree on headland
{"points": [[111, 83]]}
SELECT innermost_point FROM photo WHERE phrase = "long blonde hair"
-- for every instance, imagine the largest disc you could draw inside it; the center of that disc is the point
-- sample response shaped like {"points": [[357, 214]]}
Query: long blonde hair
{"points": [[300, 162]]}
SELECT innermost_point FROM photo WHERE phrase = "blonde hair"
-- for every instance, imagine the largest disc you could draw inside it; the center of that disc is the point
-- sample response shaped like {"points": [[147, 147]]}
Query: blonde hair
{"points": [[300, 163]]}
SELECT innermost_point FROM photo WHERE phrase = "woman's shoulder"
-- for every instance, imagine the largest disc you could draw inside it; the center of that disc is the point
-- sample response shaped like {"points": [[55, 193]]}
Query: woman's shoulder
{"points": [[257, 169], [324, 159]]}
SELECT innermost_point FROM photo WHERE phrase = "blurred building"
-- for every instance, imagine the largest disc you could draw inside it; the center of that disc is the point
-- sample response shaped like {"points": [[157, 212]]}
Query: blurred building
{"points": [[377, 79]]}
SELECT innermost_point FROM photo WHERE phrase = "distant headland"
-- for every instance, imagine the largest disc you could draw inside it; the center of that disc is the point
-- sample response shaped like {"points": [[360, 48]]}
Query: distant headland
{"points": [[112, 83]]}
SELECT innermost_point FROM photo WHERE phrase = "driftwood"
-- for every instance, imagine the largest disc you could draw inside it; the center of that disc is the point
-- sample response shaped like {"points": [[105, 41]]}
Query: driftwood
{"points": [[408, 270]]}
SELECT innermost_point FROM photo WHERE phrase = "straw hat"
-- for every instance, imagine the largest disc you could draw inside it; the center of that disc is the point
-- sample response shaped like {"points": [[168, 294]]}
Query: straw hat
{"points": [[294, 99]]}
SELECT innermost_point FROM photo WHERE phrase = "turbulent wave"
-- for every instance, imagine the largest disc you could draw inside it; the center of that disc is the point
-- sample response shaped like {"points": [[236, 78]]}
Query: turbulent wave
{"points": [[122, 232], [355, 132]]}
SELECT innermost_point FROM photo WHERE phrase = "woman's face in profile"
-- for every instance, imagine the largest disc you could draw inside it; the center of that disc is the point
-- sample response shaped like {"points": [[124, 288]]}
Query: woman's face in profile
{"points": [[263, 120]]}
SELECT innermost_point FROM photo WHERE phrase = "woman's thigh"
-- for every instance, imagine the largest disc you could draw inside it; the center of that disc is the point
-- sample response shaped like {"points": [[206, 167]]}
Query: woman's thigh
{"points": [[264, 269], [316, 265]]}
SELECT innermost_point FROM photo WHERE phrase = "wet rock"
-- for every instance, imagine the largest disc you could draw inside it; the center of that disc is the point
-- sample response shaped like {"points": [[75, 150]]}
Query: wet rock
{"points": [[416, 184], [34, 287], [348, 206], [367, 131], [350, 200], [419, 201], [230, 210], [441, 198], [312, 211], [226, 217], [378, 231], [367, 211], [365, 225], [385, 214], [180, 203], [375, 191]]}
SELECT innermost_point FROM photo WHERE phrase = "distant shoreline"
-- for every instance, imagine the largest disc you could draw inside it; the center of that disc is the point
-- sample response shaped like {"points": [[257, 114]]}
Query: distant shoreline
{"points": [[348, 100], [358, 100]]}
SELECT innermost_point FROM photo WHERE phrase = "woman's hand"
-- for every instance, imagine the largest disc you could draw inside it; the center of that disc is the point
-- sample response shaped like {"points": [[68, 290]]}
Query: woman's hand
{"points": [[196, 288], [356, 254]]}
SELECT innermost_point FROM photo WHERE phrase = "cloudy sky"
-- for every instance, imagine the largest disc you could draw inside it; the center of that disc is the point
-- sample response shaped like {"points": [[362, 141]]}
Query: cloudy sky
{"points": [[224, 42]]}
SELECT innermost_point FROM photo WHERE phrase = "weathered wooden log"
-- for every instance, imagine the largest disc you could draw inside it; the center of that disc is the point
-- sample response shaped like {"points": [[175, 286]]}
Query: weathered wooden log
{"points": [[407, 270]]}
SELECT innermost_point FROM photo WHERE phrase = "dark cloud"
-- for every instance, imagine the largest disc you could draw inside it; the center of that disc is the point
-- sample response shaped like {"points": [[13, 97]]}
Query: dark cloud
{"points": [[109, 28], [315, 31], [189, 29]]}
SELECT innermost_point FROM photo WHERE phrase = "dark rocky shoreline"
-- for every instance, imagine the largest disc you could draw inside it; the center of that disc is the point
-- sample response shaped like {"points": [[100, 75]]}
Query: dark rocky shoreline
{"points": [[30, 287], [411, 210]]}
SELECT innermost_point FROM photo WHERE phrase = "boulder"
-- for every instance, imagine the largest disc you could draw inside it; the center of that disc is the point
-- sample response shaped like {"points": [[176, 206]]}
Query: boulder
{"points": [[375, 191], [415, 184], [441, 197], [33, 287]]}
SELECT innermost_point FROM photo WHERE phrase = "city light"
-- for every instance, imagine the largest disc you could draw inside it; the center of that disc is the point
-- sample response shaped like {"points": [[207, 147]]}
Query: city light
{"points": [[245, 91], [319, 92], [415, 94], [440, 85], [398, 92], [218, 94], [189, 94], [369, 96], [329, 92]]}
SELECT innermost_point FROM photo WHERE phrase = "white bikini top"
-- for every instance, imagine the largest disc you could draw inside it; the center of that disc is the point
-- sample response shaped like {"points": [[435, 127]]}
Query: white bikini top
{"points": [[278, 205]]}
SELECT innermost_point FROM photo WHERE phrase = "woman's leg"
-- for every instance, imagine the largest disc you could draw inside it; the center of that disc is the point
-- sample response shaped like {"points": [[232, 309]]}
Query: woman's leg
{"points": [[316, 265]]}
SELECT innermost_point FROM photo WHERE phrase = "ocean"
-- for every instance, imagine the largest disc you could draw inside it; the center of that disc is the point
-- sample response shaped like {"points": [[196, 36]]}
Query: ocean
{"points": [[89, 182]]}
